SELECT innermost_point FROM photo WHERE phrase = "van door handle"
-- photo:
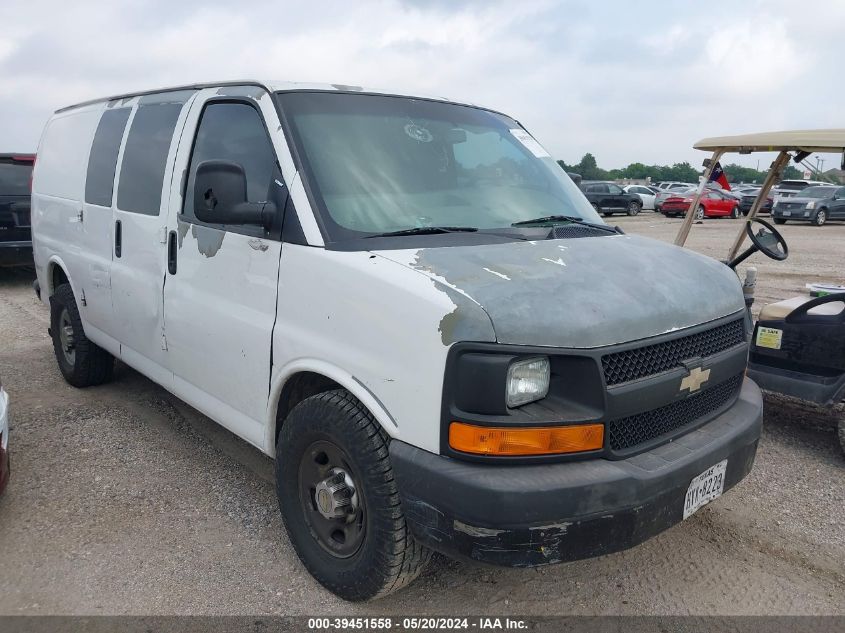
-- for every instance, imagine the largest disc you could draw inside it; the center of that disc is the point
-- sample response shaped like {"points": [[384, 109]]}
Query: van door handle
{"points": [[171, 253], [118, 238]]}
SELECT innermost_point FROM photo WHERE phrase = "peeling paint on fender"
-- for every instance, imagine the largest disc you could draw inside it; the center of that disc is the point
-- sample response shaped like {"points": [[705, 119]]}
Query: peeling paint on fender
{"points": [[208, 240]]}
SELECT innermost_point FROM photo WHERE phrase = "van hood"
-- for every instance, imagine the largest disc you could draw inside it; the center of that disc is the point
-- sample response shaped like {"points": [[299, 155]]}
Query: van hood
{"points": [[583, 292]]}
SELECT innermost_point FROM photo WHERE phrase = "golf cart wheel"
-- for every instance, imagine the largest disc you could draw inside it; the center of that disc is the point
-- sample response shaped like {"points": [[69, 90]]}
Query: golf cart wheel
{"points": [[699, 214], [780, 221], [633, 208], [339, 501], [820, 217], [82, 363]]}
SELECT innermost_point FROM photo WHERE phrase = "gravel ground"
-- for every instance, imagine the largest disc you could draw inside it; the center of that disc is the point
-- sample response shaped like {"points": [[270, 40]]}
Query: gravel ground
{"points": [[125, 501]]}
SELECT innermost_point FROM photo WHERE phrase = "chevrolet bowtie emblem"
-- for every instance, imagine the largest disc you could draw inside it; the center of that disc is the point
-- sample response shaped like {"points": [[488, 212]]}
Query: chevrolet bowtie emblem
{"points": [[696, 378]]}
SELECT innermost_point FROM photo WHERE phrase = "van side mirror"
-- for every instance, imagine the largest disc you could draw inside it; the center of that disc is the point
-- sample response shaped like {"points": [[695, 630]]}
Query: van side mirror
{"points": [[220, 196]]}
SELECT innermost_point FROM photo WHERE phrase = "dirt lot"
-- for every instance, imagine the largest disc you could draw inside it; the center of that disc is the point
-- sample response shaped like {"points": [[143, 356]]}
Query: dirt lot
{"points": [[125, 501]]}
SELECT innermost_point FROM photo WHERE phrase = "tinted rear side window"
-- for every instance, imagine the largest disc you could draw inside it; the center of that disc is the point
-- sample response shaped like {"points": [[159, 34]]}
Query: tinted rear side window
{"points": [[144, 158], [14, 178], [103, 160]]}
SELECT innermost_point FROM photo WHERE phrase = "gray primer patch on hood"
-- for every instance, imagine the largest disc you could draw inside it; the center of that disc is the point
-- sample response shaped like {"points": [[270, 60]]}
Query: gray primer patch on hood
{"points": [[581, 293], [209, 240]]}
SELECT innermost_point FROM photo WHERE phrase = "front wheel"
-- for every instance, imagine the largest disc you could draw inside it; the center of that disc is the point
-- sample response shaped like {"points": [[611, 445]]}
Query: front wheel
{"points": [[699, 213], [340, 502], [82, 363], [821, 217], [633, 208], [734, 213]]}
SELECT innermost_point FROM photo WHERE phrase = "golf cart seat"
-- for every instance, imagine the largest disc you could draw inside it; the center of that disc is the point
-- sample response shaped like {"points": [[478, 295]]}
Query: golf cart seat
{"points": [[782, 309], [798, 348]]}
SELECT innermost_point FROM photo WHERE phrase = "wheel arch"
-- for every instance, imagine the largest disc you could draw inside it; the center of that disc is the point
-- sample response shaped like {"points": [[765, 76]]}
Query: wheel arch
{"points": [[56, 274], [306, 377]]}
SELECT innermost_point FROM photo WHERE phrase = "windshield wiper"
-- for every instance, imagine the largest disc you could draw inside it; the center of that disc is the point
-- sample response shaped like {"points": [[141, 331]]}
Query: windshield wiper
{"points": [[565, 218], [427, 230]]}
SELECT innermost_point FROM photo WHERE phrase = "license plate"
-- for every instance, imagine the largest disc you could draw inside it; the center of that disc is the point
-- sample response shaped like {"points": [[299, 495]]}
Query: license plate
{"points": [[704, 488], [787, 213]]}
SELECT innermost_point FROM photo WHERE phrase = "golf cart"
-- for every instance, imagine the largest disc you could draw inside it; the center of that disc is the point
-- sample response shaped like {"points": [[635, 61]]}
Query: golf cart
{"points": [[797, 345]]}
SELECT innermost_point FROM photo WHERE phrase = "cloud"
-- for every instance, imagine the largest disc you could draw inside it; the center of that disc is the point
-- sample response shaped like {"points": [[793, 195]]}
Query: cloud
{"points": [[625, 81]]}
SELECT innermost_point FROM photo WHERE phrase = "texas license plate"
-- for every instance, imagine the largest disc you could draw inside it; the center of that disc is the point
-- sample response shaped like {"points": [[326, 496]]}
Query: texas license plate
{"points": [[787, 213], [706, 487]]}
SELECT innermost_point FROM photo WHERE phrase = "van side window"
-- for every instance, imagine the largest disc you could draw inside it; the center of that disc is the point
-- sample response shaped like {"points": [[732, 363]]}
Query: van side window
{"points": [[99, 183], [233, 132], [144, 158]]}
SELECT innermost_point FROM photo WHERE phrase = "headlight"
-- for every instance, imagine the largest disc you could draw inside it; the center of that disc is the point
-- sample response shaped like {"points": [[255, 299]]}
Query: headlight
{"points": [[528, 380], [811, 204]]}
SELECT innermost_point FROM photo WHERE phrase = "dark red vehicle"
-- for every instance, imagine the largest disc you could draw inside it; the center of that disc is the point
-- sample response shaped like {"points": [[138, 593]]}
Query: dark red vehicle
{"points": [[713, 204]]}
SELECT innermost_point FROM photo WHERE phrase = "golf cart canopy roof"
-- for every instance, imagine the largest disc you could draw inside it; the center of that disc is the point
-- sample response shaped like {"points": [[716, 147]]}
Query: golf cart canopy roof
{"points": [[825, 141]]}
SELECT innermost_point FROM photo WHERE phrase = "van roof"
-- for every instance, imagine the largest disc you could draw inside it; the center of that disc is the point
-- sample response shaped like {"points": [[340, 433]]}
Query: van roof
{"points": [[268, 85]]}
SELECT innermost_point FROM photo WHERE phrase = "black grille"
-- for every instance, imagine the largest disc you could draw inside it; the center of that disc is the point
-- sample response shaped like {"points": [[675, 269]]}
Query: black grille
{"points": [[625, 433], [653, 359], [568, 231]]}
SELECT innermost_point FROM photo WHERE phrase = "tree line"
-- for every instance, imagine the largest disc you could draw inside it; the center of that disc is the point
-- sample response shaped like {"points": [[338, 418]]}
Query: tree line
{"points": [[681, 172]]}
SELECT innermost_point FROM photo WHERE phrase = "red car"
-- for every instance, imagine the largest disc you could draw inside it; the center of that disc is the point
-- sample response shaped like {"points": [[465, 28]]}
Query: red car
{"points": [[713, 204]]}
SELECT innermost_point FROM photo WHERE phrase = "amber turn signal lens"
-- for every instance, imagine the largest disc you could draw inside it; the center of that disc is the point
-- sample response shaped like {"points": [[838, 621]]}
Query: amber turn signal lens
{"points": [[537, 440]]}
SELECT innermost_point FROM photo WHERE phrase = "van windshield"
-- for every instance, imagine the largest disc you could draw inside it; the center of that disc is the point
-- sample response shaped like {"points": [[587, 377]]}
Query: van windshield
{"points": [[378, 164]]}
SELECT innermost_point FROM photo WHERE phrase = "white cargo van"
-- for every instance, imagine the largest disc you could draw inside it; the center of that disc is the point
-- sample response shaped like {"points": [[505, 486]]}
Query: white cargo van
{"points": [[410, 306]]}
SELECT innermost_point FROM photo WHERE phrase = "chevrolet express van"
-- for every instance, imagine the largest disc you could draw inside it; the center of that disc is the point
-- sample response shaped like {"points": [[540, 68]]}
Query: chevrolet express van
{"points": [[410, 306]]}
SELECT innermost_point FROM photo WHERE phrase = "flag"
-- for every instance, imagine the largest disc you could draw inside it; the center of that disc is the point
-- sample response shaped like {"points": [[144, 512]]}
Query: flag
{"points": [[717, 175]]}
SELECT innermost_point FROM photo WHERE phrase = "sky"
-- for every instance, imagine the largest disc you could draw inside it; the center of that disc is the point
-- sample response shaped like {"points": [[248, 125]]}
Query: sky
{"points": [[626, 81]]}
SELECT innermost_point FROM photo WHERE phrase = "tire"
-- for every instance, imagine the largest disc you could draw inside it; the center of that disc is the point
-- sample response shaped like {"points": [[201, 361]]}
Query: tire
{"points": [[842, 433], [325, 434], [734, 213], [82, 363], [699, 214], [780, 221], [606, 214], [820, 218], [634, 208]]}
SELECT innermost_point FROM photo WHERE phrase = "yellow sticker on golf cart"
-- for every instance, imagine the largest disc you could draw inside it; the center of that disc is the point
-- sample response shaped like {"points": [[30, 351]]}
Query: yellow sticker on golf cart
{"points": [[769, 337]]}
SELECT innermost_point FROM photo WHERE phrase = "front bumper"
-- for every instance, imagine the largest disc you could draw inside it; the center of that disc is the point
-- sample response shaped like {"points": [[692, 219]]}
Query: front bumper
{"points": [[16, 253], [4, 439], [531, 515]]}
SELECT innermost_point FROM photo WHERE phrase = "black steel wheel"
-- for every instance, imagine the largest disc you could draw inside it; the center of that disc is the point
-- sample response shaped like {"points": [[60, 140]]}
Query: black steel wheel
{"points": [[339, 500]]}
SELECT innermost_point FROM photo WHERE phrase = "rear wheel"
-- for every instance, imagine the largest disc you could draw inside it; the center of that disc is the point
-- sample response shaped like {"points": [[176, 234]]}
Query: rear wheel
{"points": [[820, 218], [634, 207], [699, 214], [340, 502], [780, 221], [82, 363]]}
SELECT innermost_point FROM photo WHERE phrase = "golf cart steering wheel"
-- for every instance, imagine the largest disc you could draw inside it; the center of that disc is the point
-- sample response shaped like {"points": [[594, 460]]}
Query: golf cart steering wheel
{"points": [[767, 240]]}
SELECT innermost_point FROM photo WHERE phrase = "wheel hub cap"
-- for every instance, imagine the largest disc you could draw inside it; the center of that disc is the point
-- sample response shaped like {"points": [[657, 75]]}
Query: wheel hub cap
{"points": [[66, 337], [335, 496]]}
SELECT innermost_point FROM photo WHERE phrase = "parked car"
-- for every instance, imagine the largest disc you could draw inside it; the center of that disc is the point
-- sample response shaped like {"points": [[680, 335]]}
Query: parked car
{"points": [[413, 340], [790, 188], [671, 185], [15, 237], [748, 198], [4, 438], [608, 198], [662, 195], [713, 204], [646, 195], [815, 205]]}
